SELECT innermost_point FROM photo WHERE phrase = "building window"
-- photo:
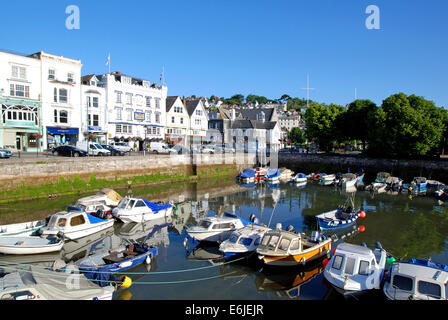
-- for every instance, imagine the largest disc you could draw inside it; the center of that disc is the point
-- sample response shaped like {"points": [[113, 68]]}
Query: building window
{"points": [[63, 116], [197, 122], [95, 102], [18, 72], [18, 90], [157, 117], [148, 116], [51, 74], [178, 109], [96, 121], [118, 128], [118, 97], [118, 114], [63, 95], [172, 120], [128, 98], [199, 112], [70, 77], [181, 120], [148, 102], [89, 102], [157, 103], [129, 111]]}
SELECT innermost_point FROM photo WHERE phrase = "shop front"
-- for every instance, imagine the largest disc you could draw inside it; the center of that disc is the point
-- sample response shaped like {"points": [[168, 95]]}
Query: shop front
{"points": [[96, 134], [57, 136]]}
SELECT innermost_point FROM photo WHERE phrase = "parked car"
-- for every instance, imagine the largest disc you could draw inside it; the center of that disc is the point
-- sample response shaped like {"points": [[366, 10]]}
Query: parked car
{"points": [[227, 149], [208, 149], [68, 151], [94, 149], [113, 151], [160, 147], [181, 149], [5, 153], [122, 146]]}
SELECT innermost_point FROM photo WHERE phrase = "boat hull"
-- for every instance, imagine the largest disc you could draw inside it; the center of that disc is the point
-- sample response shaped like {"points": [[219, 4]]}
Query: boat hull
{"points": [[296, 259], [29, 248], [22, 229], [77, 234], [144, 217]]}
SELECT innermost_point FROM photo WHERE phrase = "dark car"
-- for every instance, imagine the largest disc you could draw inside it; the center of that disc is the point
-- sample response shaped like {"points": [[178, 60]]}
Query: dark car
{"points": [[68, 151], [113, 151]]}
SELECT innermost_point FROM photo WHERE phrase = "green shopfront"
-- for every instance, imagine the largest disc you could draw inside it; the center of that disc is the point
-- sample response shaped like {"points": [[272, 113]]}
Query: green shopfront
{"points": [[20, 125]]}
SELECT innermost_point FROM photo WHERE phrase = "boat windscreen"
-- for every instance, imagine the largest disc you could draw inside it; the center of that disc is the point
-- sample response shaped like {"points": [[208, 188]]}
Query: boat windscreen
{"points": [[123, 203], [245, 241], [273, 242], [205, 224], [233, 238]]}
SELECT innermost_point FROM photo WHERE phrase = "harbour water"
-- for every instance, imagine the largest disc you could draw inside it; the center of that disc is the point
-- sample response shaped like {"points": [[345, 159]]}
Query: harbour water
{"points": [[406, 228]]}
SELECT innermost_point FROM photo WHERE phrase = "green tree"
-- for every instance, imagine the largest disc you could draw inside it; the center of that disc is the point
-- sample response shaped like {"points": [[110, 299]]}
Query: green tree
{"points": [[297, 135], [320, 124], [237, 99]]}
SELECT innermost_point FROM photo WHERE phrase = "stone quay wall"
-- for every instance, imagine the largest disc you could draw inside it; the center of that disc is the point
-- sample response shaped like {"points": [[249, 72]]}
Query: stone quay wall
{"points": [[15, 172], [405, 169]]}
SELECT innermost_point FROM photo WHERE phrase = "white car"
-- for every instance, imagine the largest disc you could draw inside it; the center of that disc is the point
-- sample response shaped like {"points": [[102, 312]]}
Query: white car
{"points": [[208, 149], [4, 153], [122, 146]]}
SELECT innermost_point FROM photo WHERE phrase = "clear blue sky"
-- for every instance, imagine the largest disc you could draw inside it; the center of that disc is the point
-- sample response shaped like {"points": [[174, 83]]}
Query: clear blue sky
{"points": [[225, 47]]}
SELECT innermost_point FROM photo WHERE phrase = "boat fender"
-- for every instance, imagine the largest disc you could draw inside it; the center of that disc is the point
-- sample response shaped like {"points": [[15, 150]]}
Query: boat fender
{"points": [[126, 282], [148, 260]]}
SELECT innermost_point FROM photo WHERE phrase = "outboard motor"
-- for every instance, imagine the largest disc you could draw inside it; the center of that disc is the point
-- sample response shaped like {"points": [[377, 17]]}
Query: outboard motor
{"points": [[278, 226], [378, 245], [315, 236]]}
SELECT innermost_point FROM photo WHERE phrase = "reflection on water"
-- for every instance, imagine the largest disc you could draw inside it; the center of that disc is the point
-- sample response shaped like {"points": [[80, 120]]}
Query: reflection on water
{"points": [[407, 228]]}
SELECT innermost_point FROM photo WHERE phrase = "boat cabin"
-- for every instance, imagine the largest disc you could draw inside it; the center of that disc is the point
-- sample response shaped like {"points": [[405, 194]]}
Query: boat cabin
{"points": [[284, 241], [418, 280]]}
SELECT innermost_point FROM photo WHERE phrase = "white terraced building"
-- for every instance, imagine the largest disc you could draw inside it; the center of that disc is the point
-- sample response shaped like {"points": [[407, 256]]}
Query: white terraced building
{"points": [[136, 109]]}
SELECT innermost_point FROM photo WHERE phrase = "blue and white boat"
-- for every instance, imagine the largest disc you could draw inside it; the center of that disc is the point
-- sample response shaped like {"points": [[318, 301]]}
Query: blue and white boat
{"points": [[418, 185], [218, 228], [341, 217], [273, 176], [416, 279], [394, 183], [114, 261], [247, 176], [243, 241], [434, 185], [139, 210], [360, 177], [298, 178]]}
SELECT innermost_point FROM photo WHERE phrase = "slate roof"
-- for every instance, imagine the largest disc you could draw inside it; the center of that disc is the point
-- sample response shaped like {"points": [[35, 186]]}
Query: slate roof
{"points": [[252, 124], [170, 101], [191, 106]]}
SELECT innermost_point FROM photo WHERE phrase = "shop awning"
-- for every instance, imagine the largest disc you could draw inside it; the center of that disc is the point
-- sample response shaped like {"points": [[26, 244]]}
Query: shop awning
{"points": [[53, 130]]}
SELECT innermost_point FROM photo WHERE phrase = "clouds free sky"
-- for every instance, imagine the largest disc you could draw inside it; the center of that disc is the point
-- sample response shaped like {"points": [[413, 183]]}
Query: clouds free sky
{"points": [[225, 47]]}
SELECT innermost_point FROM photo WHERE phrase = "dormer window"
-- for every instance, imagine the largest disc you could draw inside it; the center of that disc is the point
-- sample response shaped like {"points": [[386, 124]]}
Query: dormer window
{"points": [[93, 83]]}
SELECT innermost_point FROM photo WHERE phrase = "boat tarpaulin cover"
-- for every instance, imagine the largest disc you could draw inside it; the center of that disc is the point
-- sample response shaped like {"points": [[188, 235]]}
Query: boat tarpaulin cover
{"points": [[427, 263], [111, 194], [64, 286], [156, 207]]}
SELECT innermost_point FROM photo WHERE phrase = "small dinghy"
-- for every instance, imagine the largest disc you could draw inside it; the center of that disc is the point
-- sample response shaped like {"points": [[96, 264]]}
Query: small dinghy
{"points": [[117, 261], [417, 279], [285, 174], [326, 179], [273, 176], [348, 180], [140, 210], [219, 228], [22, 229], [74, 223], [299, 178], [394, 183], [341, 217], [418, 185], [247, 176], [106, 196], [44, 284], [286, 248], [243, 241], [355, 269], [260, 173], [30, 244]]}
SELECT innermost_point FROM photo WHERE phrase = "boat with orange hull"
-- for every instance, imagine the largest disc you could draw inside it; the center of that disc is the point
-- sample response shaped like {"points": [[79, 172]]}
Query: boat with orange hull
{"points": [[287, 248]]}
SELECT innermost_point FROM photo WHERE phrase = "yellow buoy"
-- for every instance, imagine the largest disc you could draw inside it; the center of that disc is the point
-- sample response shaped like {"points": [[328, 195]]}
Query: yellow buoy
{"points": [[126, 282]]}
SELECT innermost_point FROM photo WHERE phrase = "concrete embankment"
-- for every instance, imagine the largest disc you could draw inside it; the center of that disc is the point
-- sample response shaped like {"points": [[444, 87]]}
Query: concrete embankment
{"points": [[405, 169]]}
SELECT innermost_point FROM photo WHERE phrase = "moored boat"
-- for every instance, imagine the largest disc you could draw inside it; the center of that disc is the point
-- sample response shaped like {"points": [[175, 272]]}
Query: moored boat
{"points": [[416, 279], [22, 229], [273, 175], [74, 223], [287, 248], [285, 174], [341, 217], [243, 241], [247, 176], [218, 228], [348, 180], [30, 245], [394, 183], [298, 178], [107, 196], [355, 269], [139, 210], [260, 173], [326, 178], [418, 185]]}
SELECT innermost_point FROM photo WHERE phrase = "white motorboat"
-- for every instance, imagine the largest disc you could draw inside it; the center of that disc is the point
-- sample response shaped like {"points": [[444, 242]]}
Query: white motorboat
{"points": [[96, 208], [22, 229], [355, 269], [349, 180], [106, 196], [394, 183], [139, 210], [299, 178], [74, 224], [273, 176], [30, 244], [326, 179], [417, 279], [44, 284], [218, 228], [285, 174], [243, 241]]}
